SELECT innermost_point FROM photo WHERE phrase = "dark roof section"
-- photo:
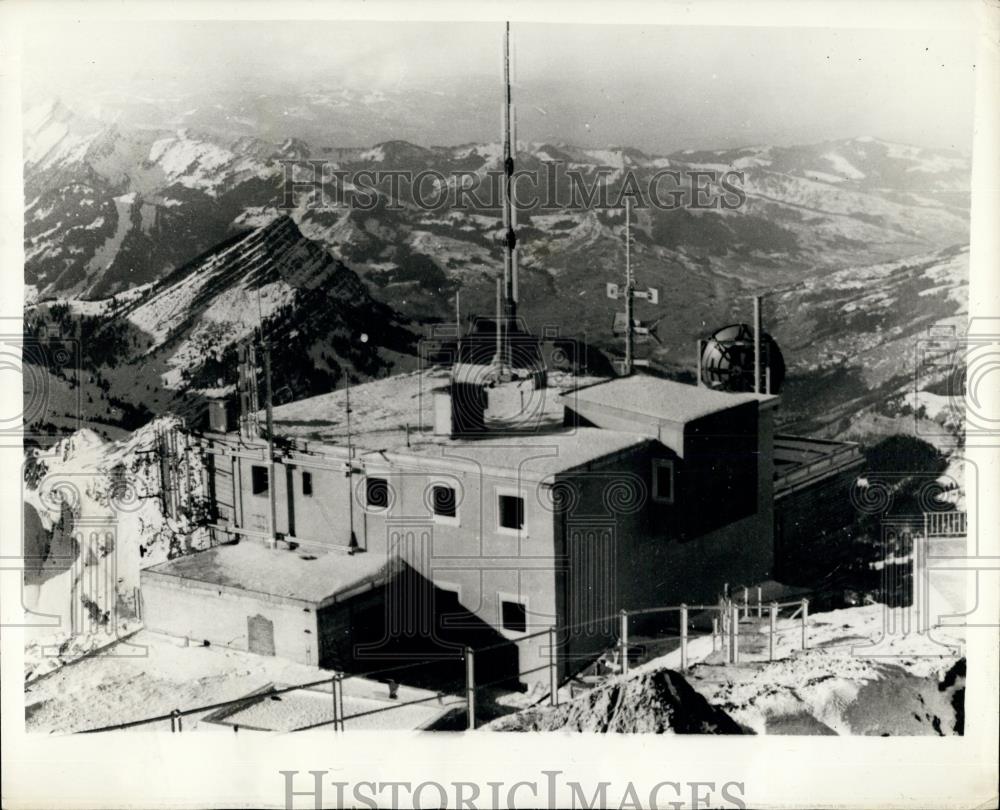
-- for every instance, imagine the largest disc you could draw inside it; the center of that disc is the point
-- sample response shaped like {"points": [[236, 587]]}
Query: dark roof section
{"points": [[800, 461]]}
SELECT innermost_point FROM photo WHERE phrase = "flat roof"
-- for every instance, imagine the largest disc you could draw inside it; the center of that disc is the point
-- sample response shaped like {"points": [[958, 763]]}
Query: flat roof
{"points": [[394, 417], [531, 454], [314, 577], [390, 404], [803, 460], [661, 399]]}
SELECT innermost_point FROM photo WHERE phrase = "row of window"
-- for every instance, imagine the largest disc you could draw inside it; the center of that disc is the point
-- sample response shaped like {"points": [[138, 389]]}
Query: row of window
{"points": [[444, 501], [259, 481]]}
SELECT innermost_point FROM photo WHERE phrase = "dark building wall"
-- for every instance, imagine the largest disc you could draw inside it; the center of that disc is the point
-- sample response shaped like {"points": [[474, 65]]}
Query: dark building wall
{"points": [[624, 548], [411, 621], [717, 479], [809, 526]]}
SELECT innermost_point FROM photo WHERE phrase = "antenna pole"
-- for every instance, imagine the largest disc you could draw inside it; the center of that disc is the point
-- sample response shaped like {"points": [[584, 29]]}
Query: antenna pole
{"points": [[499, 327], [509, 309], [458, 325], [272, 483], [352, 542], [756, 343], [629, 289]]}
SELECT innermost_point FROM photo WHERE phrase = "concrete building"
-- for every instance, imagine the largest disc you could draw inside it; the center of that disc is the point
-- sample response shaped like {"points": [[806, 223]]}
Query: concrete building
{"points": [[812, 483], [628, 493]]}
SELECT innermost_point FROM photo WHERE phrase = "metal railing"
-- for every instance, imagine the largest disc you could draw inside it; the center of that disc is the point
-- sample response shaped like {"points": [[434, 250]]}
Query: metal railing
{"points": [[723, 618], [945, 524]]}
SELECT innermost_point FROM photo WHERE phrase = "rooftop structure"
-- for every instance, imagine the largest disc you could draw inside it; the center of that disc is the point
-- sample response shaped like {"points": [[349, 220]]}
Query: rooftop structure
{"points": [[800, 461], [658, 399], [297, 579]]}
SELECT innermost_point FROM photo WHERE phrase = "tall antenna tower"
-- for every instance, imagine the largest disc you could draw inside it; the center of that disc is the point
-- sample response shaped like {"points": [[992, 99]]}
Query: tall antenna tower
{"points": [[508, 312]]}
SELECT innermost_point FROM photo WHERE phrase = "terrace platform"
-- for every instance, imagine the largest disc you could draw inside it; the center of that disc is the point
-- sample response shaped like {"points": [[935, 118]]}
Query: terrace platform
{"points": [[251, 568]]}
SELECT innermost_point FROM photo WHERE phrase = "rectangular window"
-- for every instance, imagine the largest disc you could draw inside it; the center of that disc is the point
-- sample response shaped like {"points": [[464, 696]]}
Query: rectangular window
{"points": [[377, 493], [510, 512], [513, 616], [258, 479], [663, 480], [307, 484], [443, 500]]}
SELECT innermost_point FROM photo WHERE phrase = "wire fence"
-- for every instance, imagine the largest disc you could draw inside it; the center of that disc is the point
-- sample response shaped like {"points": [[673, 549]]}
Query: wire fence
{"points": [[741, 630]]}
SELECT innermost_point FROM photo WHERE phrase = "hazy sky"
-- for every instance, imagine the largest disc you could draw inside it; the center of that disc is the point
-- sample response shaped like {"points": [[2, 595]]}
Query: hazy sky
{"points": [[656, 88]]}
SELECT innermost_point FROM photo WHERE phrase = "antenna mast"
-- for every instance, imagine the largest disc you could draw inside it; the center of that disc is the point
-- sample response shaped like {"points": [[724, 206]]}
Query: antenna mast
{"points": [[629, 290], [509, 309]]}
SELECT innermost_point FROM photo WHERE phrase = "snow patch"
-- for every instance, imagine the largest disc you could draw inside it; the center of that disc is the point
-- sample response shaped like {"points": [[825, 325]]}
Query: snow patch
{"points": [[843, 166]]}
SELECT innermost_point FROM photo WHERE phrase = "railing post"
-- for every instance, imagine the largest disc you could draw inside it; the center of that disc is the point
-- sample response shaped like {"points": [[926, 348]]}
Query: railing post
{"points": [[175, 715], [805, 621], [759, 605], [470, 687], [774, 624], [553, 669], [715, 631], [340, 700], [746, 602], [684, 637], [623, 639], [734, 637], [333, 701], [336, 696]]}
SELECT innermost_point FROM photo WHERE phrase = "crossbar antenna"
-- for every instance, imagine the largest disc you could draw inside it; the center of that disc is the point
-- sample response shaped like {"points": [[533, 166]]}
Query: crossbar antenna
{"points": [[628, 326]]}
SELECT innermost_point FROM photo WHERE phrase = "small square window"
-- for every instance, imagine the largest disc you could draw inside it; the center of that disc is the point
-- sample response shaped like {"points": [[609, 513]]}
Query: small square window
{"points": [[307, 484], [443, 500], [377, 493], [258, 479], [513, 616], [511, 512], [663, 480]]}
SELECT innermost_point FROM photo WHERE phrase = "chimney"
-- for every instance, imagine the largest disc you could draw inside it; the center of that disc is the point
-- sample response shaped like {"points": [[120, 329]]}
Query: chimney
{"points": [[442, 412], [459, 409]]}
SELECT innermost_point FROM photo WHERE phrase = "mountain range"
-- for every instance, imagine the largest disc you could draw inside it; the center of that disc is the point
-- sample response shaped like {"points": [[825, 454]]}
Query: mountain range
{"points": [[170, 240]]}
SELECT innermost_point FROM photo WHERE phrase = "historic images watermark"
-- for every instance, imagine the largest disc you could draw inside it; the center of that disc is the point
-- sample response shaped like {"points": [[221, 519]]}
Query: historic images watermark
{"points": [[962, 371], [313, 788], [554, 186]]}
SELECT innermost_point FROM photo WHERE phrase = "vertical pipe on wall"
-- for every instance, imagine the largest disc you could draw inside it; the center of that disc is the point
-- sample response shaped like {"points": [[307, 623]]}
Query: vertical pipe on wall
{"points": [[734, 631], [553, 670], [470, 688], [756, 344], [623, 639], [805, 621], [773, 628], [684, 637]]}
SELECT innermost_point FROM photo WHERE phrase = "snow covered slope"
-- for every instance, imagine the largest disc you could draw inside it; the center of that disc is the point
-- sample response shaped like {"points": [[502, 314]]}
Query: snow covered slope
{"points": [[94, 517]]}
